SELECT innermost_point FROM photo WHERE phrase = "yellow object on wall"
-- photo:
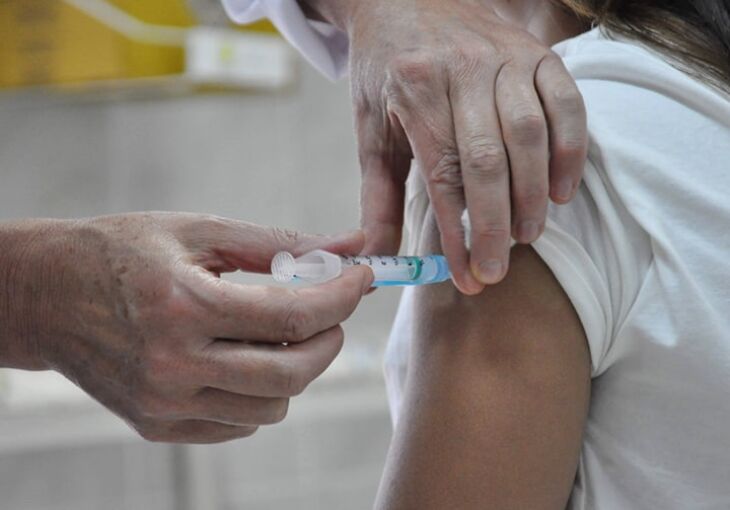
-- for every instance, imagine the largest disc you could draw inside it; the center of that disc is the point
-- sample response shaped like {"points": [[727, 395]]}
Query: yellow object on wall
{"points": [[146, 60], [46, 41], [55, 42]]}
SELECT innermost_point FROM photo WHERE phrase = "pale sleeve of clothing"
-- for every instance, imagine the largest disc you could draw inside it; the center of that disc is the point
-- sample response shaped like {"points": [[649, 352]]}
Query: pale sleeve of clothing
{"points": [[573, 249], [323, 45], [600, 257]]}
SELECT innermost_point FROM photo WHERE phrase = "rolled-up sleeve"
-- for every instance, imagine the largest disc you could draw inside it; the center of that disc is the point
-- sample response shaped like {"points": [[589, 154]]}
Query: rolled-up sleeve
{"points": [[599, 254], [324, 46]]}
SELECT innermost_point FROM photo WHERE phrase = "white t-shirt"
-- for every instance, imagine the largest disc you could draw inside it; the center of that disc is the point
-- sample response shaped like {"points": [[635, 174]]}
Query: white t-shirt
{"points": [[643, 252]]}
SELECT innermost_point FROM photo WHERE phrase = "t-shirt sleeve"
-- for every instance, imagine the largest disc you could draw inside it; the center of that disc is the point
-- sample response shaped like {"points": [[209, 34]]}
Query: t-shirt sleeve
{"points": [[599, 255], [324, 46]]}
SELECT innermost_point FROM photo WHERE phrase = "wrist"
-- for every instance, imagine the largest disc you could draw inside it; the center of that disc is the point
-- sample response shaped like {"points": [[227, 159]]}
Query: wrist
{"points": [[30, 289], [339, 13]]}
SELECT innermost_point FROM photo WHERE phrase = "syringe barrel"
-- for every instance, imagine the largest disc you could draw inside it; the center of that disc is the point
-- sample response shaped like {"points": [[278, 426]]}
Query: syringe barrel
{"points": [[399, 271], [320, 266]]}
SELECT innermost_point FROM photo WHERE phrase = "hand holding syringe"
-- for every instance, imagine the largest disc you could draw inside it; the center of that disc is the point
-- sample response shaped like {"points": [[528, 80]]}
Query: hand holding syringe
{"points": [[320, 266]]}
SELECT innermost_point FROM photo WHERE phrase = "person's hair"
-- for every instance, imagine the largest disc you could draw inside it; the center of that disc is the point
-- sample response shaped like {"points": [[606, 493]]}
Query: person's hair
{"points": [[695, 34]]}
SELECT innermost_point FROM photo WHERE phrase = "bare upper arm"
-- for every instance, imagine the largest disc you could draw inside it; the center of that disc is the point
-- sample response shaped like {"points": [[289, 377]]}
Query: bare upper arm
{"points": [[496, 398]]}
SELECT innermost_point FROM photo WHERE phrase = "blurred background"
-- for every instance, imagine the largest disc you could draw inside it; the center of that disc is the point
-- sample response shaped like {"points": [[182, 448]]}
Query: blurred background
{"points": [[120, 105]]}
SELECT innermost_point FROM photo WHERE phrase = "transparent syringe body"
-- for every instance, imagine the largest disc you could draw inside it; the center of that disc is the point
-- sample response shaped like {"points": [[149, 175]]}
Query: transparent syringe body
{"points": [[321, 266], [392, 271]]}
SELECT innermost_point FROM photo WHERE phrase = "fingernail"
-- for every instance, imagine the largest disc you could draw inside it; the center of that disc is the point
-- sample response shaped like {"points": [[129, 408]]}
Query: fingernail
{"points": [[564, 189], [490, 271], [527, 231]]}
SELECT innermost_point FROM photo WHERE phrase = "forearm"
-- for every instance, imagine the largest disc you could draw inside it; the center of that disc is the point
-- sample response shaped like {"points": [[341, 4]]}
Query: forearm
{"points": [[27, 289]]}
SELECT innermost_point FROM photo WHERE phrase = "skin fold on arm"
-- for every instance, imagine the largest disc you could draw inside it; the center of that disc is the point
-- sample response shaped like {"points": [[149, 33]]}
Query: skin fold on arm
{"points": [[497, 395]]}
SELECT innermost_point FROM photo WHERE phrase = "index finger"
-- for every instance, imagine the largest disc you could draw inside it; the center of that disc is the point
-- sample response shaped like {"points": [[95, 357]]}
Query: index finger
{"points": [[224, 244], [278, 315]]}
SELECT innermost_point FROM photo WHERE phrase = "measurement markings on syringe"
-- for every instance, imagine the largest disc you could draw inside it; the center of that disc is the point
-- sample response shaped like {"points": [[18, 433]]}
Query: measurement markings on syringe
{"points": [[319, 266]]}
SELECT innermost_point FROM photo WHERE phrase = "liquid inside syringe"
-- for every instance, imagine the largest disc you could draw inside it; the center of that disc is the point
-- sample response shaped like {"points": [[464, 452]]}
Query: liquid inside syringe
{"points": [[320, 266]]}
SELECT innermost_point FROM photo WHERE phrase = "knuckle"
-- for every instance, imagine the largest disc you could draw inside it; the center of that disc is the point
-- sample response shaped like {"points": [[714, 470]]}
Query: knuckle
{"points": [[475, 51], [491, 232], [532, 196], [527, 127], [411, 67], [568, 99], [551, 66], [570, 148], [485, 159], [172, 307], [472, 57]]}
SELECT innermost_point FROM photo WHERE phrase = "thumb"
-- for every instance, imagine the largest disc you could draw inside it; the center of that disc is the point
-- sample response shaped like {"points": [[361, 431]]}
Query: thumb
{"points": [[224, 244]]}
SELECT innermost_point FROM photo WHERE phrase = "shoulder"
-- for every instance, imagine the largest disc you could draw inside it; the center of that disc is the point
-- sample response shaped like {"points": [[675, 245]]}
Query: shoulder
{"points": [[625, 83], [601, 55]]}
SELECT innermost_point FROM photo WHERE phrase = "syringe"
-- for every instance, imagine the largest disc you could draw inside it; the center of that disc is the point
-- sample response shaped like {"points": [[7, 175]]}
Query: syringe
{"points": [[321, 266]]}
